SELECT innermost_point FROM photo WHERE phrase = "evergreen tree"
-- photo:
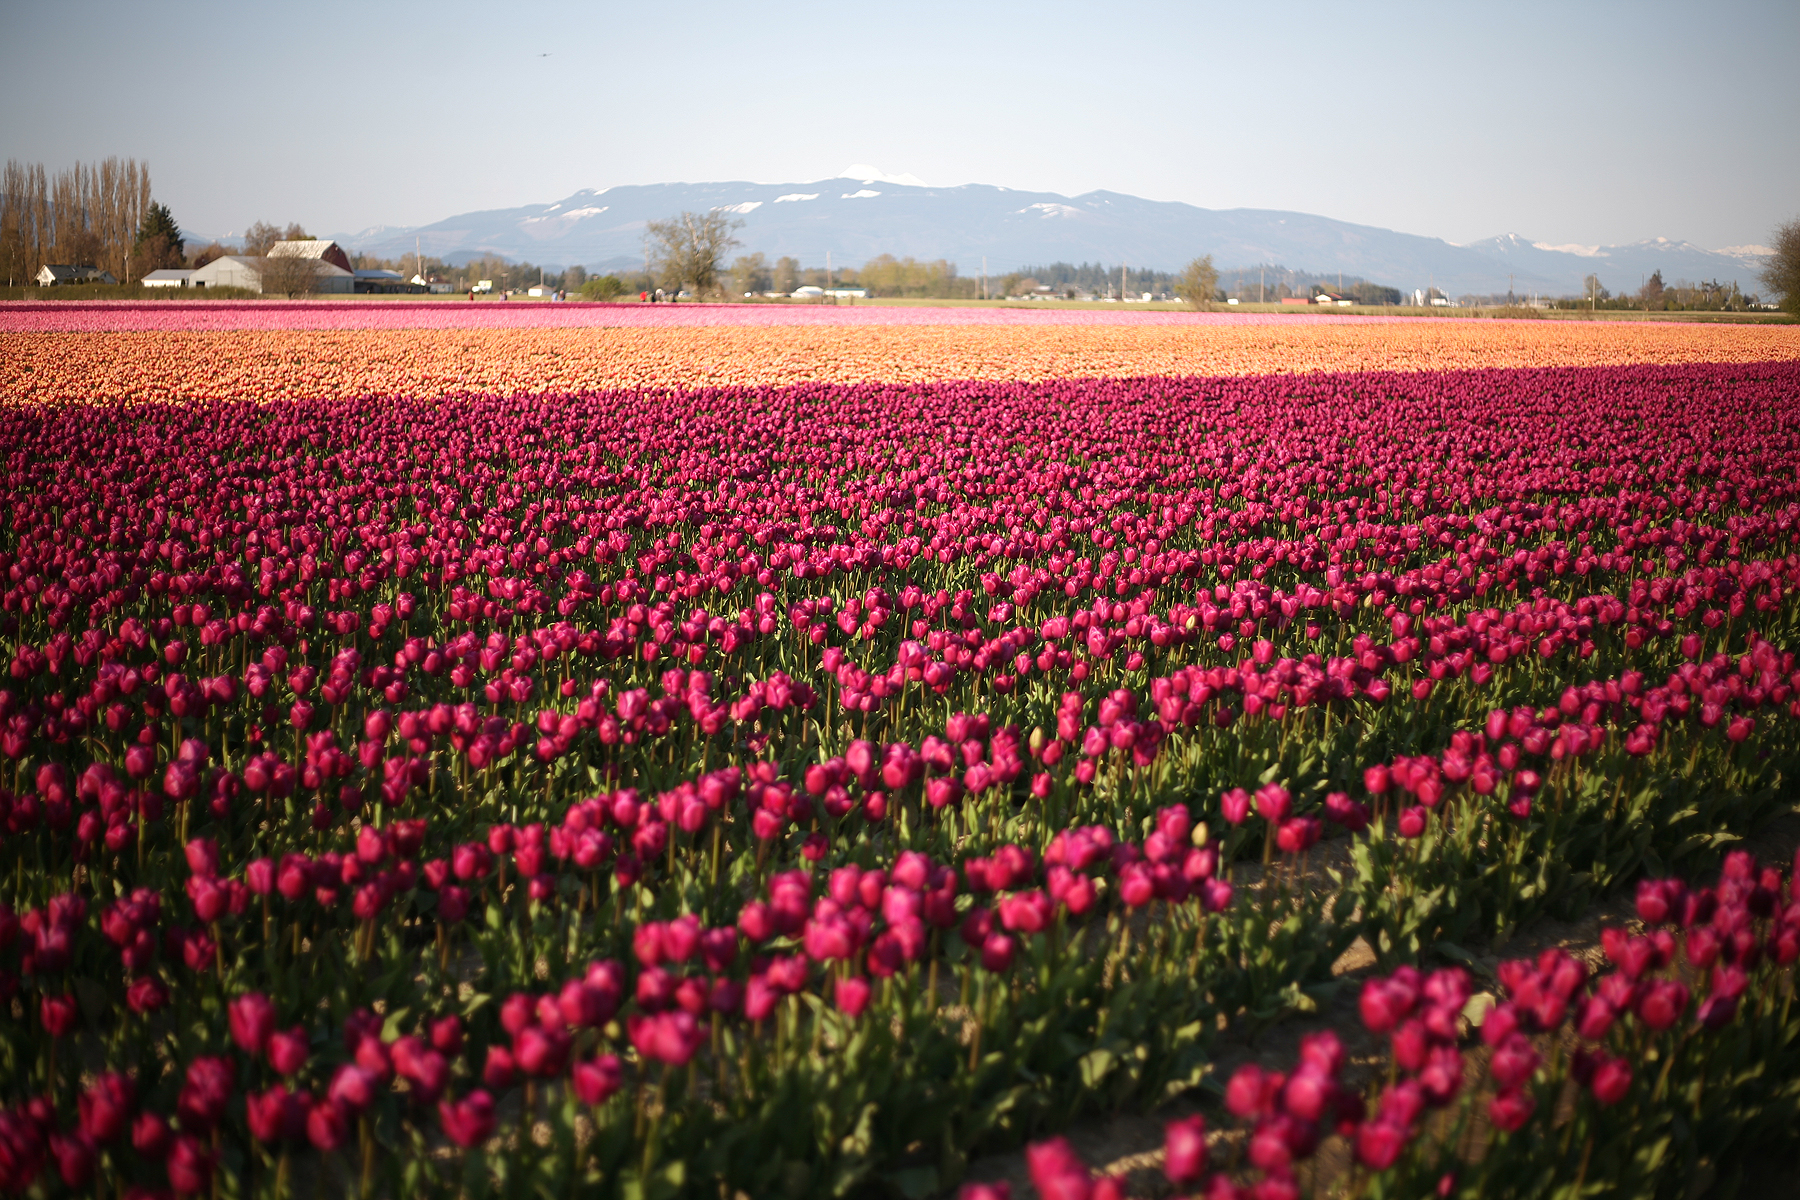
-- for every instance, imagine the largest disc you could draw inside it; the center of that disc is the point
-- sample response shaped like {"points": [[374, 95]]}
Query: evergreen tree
{"points": [[159, 241]]}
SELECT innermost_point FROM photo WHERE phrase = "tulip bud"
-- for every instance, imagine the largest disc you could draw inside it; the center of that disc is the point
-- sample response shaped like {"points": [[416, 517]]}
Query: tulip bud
{"points": [[1611, 1080], [75, 1156], [252, 1021], [598, 1080], [287, 1050], [1184, 1150], [327, 1125], [150, 1135], [470, 1121], [203, 857], [851, 994], [189, 1164], [1234, 805], [106, 1106]]}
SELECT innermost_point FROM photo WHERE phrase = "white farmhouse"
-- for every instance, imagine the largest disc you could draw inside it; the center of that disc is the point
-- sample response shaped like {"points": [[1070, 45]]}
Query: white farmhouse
{"points": [[51, 274]]}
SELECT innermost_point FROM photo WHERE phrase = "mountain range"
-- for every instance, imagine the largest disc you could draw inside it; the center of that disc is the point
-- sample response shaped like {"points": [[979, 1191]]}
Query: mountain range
{"points": [[866, 212]]}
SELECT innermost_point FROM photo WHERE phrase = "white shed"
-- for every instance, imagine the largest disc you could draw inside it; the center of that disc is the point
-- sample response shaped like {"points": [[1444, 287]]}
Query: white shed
{"points": [[230, 270], [167, 277]]}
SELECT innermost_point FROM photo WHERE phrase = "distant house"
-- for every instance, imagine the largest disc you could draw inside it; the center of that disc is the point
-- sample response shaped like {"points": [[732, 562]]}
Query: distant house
{"points": [[52, 274], [326, 252], [167, 277], [540, 289], [244, 271], [1296, 300]]}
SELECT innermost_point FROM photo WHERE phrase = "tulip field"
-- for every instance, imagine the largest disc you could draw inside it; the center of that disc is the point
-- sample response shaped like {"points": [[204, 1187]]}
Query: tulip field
{"points": [[708, 753]]}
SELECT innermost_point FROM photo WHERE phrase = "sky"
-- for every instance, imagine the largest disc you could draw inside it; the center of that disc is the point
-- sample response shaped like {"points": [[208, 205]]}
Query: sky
{"points": [[1583, 123]]}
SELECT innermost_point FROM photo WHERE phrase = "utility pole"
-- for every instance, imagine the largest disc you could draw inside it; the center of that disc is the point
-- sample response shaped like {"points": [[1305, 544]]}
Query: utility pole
{"points": [[1261, 276], [1121, 283], [984, 277]]}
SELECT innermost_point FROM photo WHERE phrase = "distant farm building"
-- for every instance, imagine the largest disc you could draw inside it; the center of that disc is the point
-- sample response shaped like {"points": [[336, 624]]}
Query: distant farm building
{"points": [[245, 271], [379, 281], [167, 277], [325, 252], [52, 274], [229, 270]]}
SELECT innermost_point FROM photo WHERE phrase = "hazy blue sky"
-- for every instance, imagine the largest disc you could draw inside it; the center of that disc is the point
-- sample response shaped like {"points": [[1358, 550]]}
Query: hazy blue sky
{"points": [[1567, 122]]}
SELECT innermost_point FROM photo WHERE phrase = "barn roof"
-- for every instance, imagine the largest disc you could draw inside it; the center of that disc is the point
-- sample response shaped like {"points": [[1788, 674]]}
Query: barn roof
{"points": [[315, 248]]}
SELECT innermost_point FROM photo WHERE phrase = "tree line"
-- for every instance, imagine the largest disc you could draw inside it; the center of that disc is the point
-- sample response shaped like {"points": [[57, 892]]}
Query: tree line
{"points": [[688, 251], [87, 215], [1656, 296]]}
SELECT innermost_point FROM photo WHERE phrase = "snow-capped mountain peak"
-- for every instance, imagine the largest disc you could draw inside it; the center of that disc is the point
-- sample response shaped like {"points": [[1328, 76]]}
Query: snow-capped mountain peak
{"points": [[864, 173]]}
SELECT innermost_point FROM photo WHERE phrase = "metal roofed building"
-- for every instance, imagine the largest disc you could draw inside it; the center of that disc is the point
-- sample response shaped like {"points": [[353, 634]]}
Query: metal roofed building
{"points": [[244, 271], [377, 280], [324, 251]]}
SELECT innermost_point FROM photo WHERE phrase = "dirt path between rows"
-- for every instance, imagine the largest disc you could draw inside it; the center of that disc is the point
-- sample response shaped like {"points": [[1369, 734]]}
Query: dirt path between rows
{"points": [[1131, 1144]]}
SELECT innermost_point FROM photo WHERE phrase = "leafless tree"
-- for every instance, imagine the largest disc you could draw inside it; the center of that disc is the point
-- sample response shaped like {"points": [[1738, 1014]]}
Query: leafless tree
{"points": [[290, 275], [1198, 282], [787, 274], [689, 249], [750, 273], [1783, 272], [259, 237]]}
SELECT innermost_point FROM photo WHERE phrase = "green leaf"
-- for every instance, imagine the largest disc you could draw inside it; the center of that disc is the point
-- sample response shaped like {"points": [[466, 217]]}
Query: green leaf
{"points": [[1456, 953], [390, 1028], [1094, 1066]]}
